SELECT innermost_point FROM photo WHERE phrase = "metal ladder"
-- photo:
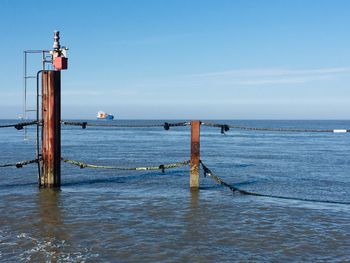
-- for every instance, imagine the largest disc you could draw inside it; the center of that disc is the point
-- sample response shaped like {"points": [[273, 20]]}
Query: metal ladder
{"points": [[46, 59]]}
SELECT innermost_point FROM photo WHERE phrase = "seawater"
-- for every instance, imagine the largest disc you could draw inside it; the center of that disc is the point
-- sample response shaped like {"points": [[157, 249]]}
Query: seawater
{"points": [[117, 216]]}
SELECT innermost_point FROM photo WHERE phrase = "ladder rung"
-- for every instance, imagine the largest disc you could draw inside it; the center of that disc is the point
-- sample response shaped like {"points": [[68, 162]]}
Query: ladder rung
{"points": [[30, 77], [29, 110]]}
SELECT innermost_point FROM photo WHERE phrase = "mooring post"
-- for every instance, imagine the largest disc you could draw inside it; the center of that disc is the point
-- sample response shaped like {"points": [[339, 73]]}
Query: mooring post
{"points": [[51, 116], [195, 155], [51, 129]]}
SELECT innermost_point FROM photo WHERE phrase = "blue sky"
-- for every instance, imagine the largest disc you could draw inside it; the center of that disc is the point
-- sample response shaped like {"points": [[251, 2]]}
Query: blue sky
{"points": [[186, 59]]}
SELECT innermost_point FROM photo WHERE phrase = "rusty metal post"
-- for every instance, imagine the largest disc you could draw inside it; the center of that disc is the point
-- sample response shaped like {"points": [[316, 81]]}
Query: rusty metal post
{"points": [[195, 155], [51, 131]]}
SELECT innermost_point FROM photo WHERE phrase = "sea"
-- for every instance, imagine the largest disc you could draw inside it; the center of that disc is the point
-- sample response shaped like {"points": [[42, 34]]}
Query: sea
{"points": [[106, 215]]}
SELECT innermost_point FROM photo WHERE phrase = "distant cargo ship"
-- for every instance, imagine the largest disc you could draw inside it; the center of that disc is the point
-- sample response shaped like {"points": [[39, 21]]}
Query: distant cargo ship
{"points": [[101, 115]]}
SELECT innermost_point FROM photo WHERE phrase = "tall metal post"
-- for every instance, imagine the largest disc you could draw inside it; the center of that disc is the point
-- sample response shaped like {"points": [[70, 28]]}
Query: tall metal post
{"points": [[195, 155], [51, 129]]}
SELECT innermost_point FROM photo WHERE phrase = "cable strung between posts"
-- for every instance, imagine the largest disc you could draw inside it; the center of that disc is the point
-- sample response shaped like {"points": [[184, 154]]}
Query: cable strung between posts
{"points": [[216, 178], [20, 125], [84, 124], [228, 127], [160, 167], [19, 164]]}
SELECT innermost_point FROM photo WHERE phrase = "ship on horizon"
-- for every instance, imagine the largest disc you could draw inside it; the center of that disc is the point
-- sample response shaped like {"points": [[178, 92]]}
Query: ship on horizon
{"points": [[101, 115]]}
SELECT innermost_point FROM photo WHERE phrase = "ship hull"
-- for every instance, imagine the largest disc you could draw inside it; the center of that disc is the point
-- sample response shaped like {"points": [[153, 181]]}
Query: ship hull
{"points": [[108, 117]]}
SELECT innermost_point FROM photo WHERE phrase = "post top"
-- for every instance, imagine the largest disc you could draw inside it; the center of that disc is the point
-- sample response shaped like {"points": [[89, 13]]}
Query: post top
{"points": [[56, 40]]}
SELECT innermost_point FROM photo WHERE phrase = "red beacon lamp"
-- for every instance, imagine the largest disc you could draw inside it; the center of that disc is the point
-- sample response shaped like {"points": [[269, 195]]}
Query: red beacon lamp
{"points": [[59, 55]]}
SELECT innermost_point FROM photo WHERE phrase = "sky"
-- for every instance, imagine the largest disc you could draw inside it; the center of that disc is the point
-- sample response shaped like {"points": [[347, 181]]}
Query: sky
{"points": [[184, 59]]}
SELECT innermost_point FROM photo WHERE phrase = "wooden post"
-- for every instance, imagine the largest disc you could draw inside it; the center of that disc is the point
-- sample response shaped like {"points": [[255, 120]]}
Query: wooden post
{"points": [[195, 154], [51, 131]]}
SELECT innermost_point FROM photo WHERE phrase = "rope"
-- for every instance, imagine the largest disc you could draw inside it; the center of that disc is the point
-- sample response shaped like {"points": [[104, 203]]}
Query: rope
{"points": [[19, 164], [19, 126], [160, 167], [216, 178], [225, 127], [166, 125]]}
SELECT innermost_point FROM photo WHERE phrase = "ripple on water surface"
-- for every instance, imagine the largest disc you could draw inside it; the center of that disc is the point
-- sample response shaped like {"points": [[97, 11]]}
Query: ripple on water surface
{"points": [[108, 216]]}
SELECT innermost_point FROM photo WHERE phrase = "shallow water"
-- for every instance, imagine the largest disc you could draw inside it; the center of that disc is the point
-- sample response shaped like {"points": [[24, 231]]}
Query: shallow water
{"points": [[115, 216]]}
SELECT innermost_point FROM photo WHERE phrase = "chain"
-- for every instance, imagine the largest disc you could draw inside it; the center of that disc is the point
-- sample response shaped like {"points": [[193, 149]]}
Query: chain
{"points": [[225, 127], [208, 172], [20, 125], [19, 164], [166, 125], [146, 168]]}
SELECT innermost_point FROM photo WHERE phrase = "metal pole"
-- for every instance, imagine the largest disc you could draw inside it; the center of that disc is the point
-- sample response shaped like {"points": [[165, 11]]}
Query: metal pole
{"points": [[43, 59], [51, 131], [24, 84], [195, 155], [38, 154], [24, 116]]}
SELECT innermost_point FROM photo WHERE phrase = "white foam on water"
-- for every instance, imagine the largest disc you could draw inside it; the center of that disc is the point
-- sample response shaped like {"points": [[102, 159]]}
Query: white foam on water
{"points": [[53, 250]]}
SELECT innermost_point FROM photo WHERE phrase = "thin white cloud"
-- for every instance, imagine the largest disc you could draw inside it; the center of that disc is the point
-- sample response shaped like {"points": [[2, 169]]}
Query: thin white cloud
{"points": [[248, 77], [101, 92], [275, 72], [243, 78]]}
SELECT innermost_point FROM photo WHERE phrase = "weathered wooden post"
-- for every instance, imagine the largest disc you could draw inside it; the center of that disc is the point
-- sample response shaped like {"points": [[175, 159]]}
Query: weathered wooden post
{"points": [[195, 155], [51, 131], [51, 117]]}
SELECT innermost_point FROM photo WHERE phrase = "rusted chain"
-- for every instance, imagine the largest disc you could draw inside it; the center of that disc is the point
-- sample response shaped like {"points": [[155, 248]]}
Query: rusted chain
{"points": [[227, 127], [208, 172], [146, 168]]}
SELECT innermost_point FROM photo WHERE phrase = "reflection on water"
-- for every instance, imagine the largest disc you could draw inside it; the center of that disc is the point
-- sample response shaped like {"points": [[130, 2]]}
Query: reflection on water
{"points": [[50, 214], [49, 239], [194, 200], [50, 226]]}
